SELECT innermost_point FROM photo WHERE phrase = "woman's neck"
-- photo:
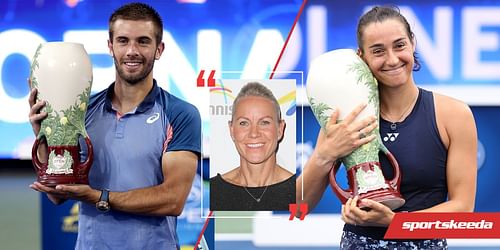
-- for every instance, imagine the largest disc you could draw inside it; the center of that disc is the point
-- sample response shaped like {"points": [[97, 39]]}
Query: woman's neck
{"points": [[257, 175], [397, 103]]}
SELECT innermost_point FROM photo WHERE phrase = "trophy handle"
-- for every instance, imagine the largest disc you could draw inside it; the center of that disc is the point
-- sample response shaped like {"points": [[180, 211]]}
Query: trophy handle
{"points": [[396, 180], [342, 194], [34, 156], [90, 156]]}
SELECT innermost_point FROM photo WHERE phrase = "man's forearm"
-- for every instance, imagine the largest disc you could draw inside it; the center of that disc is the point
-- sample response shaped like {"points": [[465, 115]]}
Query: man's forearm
{"points": [[154, 201]]}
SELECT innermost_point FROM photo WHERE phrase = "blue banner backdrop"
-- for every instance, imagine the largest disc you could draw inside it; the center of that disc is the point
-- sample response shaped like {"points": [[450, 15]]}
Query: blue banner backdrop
{"points": [[457, 42]]}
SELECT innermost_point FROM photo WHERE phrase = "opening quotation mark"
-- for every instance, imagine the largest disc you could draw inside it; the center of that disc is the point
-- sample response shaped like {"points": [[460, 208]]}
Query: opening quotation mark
{"points": [[200, 81]]}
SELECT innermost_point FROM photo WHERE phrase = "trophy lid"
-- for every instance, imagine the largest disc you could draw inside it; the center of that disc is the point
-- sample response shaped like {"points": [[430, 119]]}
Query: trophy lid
{"points": [[340, 79]]}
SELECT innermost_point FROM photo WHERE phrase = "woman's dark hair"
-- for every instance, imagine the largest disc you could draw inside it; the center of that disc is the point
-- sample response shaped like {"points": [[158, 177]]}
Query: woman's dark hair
{"points": [[380, 14]]}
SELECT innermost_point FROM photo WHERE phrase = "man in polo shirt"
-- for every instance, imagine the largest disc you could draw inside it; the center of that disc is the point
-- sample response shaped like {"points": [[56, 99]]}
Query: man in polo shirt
{"points": [[146, 146]]}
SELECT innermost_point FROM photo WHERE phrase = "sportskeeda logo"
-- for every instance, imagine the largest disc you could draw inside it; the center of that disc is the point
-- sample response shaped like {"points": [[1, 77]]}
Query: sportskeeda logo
{"points": [[452, 224], [458, 225]]}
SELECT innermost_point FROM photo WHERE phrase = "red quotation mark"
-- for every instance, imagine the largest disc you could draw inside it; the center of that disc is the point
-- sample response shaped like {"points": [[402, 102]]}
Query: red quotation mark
{"points": [[293, 210], [201, 81]]}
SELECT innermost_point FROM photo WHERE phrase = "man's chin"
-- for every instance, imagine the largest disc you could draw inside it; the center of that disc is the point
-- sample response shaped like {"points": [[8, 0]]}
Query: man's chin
{"points": [[134, 77], [133, 80]]}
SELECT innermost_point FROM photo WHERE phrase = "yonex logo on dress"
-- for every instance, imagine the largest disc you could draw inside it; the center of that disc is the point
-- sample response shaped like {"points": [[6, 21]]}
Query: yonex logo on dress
{"points": [[153, 118], [391, 136]]}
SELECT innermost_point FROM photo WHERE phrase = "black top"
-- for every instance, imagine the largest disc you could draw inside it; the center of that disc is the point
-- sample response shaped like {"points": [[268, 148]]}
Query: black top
{"points": [[225, 196], [417, 146]]}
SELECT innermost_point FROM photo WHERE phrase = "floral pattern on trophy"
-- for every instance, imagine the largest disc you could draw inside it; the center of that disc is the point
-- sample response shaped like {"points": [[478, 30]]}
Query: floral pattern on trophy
{"points": [[369, 151], [362, 165], [61, 127]]}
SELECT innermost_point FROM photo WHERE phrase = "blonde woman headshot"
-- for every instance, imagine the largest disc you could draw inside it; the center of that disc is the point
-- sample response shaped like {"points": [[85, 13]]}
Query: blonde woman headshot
{"points": [[258, 183]]}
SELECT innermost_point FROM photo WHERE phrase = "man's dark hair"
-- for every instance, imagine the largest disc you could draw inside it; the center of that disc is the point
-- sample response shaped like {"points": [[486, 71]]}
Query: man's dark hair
{"points": [[136, 12], [380, 14]]}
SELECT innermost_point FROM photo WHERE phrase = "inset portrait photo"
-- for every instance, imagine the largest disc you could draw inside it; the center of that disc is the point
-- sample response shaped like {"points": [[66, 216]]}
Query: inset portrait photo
{"points": [[252, 145]]}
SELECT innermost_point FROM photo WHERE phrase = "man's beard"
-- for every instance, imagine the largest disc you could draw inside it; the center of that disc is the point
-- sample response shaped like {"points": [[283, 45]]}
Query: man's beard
{"points": [[137, 77]]}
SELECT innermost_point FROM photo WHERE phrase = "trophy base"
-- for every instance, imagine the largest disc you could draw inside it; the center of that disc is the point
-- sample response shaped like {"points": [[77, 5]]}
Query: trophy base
{"points": [[389, 198], [63, 165], [378, 188], [367, 182], [52, 181]]}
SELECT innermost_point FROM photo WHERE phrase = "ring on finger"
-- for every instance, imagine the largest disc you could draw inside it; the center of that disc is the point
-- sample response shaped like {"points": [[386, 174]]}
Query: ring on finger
{"points": [[361, 135]]}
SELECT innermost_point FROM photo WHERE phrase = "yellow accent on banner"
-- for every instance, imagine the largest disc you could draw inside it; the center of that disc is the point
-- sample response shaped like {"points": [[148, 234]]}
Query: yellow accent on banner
{"points": [[70, 222]]}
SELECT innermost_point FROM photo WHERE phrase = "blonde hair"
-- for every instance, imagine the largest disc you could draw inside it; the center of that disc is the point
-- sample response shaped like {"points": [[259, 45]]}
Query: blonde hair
{"points": [[257, 89]]}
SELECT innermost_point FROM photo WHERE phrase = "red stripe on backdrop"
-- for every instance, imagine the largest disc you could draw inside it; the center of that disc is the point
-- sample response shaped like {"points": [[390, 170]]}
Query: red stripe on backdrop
{"points": [[444, 225], [288, 37], [203, 230]]}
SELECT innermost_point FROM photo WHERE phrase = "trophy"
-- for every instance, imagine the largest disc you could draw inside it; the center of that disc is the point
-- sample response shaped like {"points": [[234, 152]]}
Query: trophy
{"points": [[340, 79], [62, 73]]}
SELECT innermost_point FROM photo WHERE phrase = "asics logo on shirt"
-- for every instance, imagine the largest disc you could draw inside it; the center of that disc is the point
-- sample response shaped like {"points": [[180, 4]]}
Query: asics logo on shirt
{"points": [[391, 136], [153, 118]]}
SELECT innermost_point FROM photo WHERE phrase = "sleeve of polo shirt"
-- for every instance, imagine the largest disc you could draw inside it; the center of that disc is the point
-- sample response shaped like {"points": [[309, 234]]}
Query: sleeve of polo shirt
{"points": [[185, 126]]}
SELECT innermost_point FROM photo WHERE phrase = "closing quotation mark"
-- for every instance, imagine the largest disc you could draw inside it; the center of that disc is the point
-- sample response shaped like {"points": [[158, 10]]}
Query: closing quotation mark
{"points": [[200, 81], [303, 208]]}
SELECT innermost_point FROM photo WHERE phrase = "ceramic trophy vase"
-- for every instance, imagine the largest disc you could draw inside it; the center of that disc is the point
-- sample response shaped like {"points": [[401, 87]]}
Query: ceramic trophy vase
{"points": [[62, 73], [340, 79]]}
